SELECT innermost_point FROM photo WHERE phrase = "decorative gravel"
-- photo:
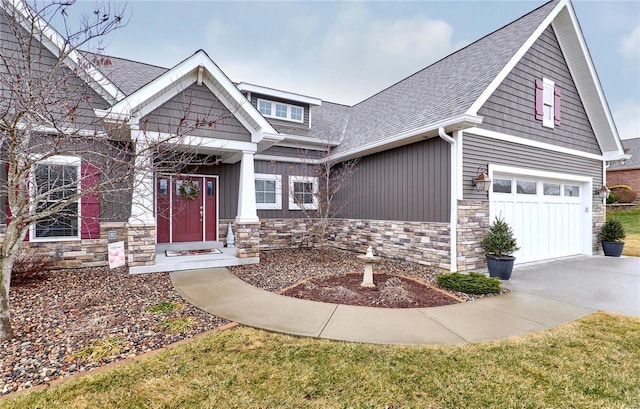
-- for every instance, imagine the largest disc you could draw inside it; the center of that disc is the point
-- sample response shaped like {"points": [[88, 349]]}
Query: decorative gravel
{"points": [[57, 315]]}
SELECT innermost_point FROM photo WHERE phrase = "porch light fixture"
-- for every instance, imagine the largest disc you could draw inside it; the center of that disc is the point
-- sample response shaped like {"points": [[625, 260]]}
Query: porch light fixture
{"points": [[602, 193], [482, 181]]}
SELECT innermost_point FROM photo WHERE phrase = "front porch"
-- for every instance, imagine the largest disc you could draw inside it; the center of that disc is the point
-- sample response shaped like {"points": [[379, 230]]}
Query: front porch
{"points": [[226, 258]]}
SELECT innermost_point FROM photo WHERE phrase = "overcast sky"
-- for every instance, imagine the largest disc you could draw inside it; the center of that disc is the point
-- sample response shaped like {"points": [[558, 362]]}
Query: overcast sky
{"points": [[346, 51]]}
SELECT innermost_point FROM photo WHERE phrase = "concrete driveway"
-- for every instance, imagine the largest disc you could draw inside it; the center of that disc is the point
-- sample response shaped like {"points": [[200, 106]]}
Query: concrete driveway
{"points": [[598, 282]]}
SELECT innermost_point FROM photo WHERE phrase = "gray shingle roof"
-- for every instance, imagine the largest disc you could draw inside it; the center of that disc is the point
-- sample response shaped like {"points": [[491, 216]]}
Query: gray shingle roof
{"points": [[328, 122], [127, 75], [631, 147], [444, 89]]}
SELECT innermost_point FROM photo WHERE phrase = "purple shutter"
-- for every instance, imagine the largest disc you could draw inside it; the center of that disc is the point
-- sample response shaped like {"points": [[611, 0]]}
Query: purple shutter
{"points": [[556, 105], [90, 203], [539, 100]]}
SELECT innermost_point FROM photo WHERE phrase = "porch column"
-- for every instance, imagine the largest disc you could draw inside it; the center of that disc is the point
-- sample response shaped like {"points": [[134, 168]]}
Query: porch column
{"points": [[141, 235], [142, 194], [247, 190]]}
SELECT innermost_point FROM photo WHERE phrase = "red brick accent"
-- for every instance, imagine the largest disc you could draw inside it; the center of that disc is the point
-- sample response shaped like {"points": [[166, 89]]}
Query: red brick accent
{"points": [[630, 177]]}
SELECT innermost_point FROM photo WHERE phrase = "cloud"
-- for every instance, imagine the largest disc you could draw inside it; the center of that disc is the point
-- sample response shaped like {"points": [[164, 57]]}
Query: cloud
{"points": [[627, 118], [344, 54], [630, 46]]}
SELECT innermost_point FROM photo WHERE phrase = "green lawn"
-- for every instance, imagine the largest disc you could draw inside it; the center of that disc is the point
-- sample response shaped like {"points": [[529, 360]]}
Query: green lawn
{"points": [[630, 220], [590, 363]]}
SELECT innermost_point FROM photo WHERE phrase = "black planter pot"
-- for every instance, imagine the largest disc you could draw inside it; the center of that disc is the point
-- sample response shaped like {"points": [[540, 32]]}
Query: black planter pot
{"points": [[612, 248], [500, 267]]}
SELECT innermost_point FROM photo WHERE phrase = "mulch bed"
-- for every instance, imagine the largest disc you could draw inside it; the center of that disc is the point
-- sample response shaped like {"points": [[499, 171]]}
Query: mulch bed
{"points": [[390, 291], [57, 314]]}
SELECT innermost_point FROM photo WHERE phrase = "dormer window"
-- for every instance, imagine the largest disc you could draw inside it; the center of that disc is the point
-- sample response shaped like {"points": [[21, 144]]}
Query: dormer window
{"points": [[279, 110]]}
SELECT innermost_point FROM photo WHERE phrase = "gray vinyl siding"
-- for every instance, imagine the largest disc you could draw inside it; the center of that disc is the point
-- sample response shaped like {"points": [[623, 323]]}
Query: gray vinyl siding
{"points": [[200, 103], [293, 152], [511, 108], [410, 183], [274, 121], [479, 151]]}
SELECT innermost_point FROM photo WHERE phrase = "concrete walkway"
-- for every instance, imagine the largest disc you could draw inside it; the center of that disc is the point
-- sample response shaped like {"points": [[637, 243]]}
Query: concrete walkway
{"points": [[219, 292]]}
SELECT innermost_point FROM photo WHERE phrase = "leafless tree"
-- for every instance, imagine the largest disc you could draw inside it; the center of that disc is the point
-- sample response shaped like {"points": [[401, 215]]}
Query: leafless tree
{"points": [[47, 102], [320, 204]]}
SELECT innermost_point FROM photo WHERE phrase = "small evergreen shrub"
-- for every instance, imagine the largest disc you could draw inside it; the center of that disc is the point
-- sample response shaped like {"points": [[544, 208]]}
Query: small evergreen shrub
{"points": [[611, 198], [500, 240], [472, 283], [612, 230]]}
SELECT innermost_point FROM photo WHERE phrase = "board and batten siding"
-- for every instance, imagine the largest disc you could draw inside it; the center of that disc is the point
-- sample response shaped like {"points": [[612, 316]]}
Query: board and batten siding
{"points": [[479, 151], [200, 103], [511, 108], [284, 170], [409, 183]]}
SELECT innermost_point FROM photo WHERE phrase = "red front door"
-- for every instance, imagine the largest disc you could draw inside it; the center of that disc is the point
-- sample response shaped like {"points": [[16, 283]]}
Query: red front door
{"points": [[186, 208]]}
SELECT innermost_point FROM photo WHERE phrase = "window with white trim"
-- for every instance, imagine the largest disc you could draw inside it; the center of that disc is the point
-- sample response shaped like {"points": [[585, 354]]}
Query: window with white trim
{"points": [[268, 191], [547, 103], [56, 180], [280, 110], [303, 191]]}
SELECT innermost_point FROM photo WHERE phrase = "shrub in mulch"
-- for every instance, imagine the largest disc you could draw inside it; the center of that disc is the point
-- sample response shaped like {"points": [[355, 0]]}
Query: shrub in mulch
{"points": [[29, 267], [472, 283]]}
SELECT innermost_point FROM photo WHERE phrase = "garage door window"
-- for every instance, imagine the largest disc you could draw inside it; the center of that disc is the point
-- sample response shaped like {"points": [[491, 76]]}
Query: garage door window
{"points": [[572, 190], [502, 185], [551, 189], [525, 187]]}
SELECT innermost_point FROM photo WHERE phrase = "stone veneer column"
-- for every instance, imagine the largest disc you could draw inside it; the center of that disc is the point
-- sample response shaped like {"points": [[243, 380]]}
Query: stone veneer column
{"points": [[141, 245], [473, 222], [247, 239], [599, 217]]}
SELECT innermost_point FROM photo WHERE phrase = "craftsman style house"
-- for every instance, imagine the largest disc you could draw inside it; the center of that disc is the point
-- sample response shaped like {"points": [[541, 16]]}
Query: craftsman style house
{"points": [[522, 107]]}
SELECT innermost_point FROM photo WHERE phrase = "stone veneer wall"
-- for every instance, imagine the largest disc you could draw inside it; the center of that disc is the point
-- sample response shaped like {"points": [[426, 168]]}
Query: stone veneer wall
{"points": [[473, 222], [141, 245], [599, 217], [77, 253], [419, 242], [424, 243]]}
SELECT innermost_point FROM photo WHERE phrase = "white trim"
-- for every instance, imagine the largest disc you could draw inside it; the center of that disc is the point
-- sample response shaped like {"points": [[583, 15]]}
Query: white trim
{"points": [[278, 192], [167, 84], [585, 91], [55, 43], [539, 174], [304, 179], [273, 110], [404, 138], [245, 86], [63, 160], [247, 190], [506, 70], [458, 136], [529, 142], [287, 159]]}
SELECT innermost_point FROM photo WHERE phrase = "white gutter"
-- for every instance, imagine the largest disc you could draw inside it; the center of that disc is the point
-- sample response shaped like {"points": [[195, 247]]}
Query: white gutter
{"points": [[453, 217]]}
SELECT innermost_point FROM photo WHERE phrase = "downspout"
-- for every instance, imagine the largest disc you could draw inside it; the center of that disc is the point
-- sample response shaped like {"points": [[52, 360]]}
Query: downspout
{"points": [[453, 217]]}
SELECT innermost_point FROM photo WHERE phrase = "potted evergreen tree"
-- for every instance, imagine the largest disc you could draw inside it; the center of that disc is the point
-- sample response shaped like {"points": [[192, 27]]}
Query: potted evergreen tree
{"points": [[611, 236], [499, 244]]}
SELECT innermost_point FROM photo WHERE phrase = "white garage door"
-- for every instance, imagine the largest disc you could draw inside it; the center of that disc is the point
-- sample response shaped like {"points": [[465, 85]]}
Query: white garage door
{"points": [[547, 215]]}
